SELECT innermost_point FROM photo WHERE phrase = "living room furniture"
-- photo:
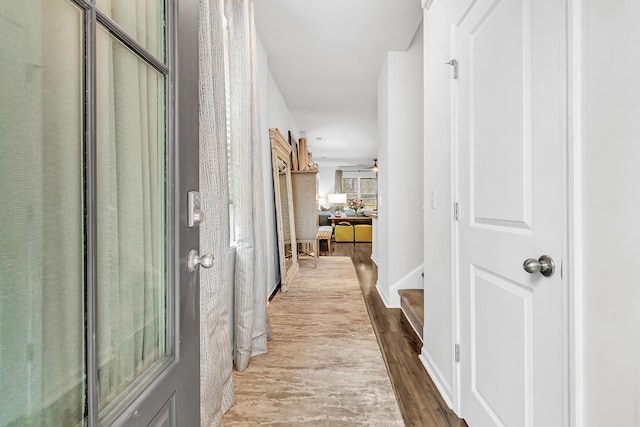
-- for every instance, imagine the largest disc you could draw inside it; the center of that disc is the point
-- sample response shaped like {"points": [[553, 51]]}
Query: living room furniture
{"points": [[325, 232], [350, 219], [362, 233], [285, 220], [304, 184], [343, 232]]}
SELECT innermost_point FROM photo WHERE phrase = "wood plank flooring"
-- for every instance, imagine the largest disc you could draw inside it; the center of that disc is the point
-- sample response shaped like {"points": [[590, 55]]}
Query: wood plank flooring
{"points": [[418, 398]]}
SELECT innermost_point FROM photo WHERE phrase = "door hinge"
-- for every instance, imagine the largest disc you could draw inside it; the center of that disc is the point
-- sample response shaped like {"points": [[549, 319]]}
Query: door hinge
{"points": [[454, 64], [456, 211], [457, 353]]}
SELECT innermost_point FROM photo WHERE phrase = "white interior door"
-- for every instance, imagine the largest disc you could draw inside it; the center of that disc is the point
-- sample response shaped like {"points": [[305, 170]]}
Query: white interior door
{"points": [[511, 139]]}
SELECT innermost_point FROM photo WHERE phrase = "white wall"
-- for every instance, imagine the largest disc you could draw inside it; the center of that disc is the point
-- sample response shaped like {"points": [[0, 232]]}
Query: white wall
{"points": [[274, 114], [269, 206], [382, 244], [326, 180], [611, 212], [278, 113], [437, 351], [400, 115]]}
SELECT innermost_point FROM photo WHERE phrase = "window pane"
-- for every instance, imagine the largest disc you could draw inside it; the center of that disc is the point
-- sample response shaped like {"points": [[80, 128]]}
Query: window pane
{"points": [[370, 201], [368, 185], [131, 216], [144, 20], [350, 185], [41, 214]]}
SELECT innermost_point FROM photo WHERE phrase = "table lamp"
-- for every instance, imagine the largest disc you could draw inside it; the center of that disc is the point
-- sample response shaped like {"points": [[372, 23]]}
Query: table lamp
{"points": [[336, 199]]}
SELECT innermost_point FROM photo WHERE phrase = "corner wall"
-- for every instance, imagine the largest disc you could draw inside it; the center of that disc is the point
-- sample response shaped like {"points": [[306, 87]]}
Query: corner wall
{"points": [[439, 297], [400, 178], [610, 205]]}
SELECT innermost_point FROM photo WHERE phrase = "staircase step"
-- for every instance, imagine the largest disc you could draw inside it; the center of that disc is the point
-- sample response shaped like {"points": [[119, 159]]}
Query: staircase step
{"points": [[412, 305]]}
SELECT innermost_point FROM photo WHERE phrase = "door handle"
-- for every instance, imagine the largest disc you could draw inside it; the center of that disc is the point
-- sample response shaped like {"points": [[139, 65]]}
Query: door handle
{"points": [[196, 260], [544, 265]]}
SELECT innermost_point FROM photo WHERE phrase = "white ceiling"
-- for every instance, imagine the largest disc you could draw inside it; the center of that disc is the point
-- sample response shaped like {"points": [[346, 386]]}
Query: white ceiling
{"points": [[326, 56]]}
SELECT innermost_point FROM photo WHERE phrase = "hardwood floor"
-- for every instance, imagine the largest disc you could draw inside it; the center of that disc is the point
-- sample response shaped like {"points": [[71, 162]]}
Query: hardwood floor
{"points": [[419, 401]]}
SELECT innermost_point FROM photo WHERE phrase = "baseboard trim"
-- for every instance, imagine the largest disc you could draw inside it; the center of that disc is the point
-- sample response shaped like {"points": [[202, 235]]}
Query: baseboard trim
{"points": [[383, 296], [411, 280], [437, 378]]}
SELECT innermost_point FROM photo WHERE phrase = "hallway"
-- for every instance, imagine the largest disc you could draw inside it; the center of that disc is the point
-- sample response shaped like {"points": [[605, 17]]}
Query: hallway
{"points": [[419, 402]]}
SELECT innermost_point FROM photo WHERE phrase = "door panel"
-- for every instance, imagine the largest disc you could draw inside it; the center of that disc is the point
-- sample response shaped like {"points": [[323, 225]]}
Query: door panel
{"points": [[511, 134], [167, 415], [500, 138], [152, 147], [501, 327], [99, 315], [132, 274]]}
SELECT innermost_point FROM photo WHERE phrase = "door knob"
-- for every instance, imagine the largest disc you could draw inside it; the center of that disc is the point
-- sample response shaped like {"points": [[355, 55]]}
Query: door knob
{"points": [[544, 265], [196, 260]]}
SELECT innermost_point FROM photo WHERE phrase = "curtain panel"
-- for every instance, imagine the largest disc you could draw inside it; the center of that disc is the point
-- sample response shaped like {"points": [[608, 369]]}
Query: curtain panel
{"points": [[338, 182], [251, 323], [216, 385]]}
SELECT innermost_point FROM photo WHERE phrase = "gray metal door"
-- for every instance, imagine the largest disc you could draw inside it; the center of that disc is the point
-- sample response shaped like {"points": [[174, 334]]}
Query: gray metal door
{"points": [[99, 313]]}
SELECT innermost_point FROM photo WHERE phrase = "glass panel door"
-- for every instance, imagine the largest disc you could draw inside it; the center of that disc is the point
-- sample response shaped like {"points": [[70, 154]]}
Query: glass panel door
{"points": [[130, 168], [142, 19], [97, 318], [42, 285]]}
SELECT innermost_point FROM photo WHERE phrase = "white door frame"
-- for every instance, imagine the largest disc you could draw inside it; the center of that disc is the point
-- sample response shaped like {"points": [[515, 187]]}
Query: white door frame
{"points": [[573, 217], [455, 233]]}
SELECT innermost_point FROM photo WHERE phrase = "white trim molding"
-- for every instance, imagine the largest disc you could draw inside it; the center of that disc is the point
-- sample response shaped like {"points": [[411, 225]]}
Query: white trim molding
{"points": [[375, 260], [438, 379], [426, 4], [411, 280], [574, 255], [383, 294]]}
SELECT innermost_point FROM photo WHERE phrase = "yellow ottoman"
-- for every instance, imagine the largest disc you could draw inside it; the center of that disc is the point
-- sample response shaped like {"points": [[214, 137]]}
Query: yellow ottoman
{"points": [[363, 232], [344, 232]]}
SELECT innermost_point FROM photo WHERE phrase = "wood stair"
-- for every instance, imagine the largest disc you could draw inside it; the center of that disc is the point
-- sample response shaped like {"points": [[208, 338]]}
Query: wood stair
{"points": [[412, 305]]}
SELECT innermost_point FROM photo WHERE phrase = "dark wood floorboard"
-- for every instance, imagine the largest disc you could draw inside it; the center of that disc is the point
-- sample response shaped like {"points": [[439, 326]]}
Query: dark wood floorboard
{"points": [[418, 398]]}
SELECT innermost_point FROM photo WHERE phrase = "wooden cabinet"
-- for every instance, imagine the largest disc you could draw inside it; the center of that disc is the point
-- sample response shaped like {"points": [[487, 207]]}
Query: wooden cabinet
{"points": [[305, 207]]}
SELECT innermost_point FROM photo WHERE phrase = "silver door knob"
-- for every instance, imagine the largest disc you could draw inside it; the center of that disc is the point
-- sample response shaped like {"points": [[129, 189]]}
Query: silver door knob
{"points": [[544, 265], [196, 260]]}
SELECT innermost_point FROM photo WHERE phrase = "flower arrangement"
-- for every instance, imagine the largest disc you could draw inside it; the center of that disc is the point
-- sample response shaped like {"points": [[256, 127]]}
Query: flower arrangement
{"points": [[355, 204]]}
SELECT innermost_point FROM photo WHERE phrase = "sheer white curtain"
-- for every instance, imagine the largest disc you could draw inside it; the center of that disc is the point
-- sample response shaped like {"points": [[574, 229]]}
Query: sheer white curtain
{"points": [[251, 323], [41, 214], [243, 164], [216, 386]]}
